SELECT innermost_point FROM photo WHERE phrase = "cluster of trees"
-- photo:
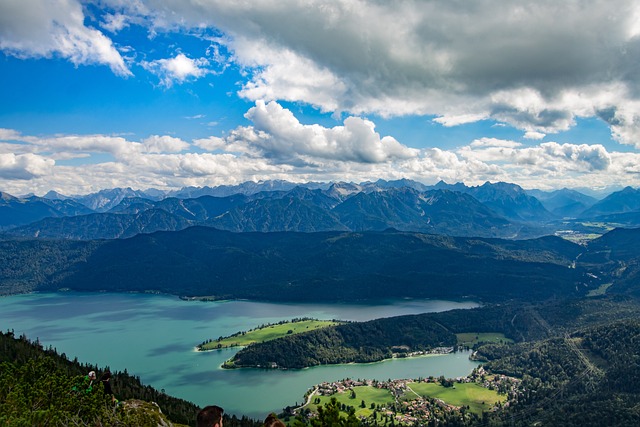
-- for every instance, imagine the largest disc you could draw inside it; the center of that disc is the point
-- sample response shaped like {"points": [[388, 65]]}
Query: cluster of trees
{"points": [[359, 342]]}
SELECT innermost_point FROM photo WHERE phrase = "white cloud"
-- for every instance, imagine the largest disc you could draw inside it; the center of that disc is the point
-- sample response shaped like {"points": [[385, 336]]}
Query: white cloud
{"points": [[44, 28], [289, 77], [494, 142], [115, 22], [277, 134], [164, 144], [212, 143], [546, 158], [534, 135], [23, 166], [453, 120], [178, 69], [9, 134], [591, 157]]}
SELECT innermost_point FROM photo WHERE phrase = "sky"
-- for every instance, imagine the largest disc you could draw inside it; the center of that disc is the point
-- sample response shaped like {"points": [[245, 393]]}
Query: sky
{"points": [[172, 93]]}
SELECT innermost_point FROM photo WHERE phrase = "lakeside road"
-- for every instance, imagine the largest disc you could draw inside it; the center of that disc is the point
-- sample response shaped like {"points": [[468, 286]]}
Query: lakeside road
{"points": [[313, 393]]}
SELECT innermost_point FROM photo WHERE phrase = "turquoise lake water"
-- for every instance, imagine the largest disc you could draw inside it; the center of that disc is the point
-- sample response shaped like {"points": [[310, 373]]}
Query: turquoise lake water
{"points": [[154, 337]]}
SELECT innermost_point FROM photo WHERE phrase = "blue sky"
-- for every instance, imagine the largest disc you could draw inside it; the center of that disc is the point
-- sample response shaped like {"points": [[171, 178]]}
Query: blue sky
{"points": [[165, 94]]}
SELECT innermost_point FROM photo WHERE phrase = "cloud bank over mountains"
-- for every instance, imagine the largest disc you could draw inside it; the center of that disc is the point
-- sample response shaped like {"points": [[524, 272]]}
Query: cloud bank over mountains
{"points": [[277, 146], [536, 66]]}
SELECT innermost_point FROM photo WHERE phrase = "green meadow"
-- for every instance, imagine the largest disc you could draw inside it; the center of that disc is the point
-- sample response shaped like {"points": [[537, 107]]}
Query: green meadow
{"points": [[475, 396], [267, 333], [370, 395], [471, 338]]}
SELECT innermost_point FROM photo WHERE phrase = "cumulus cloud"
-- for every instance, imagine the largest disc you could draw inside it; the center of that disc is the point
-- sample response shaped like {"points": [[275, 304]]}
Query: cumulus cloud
{"points": [[44, 28], [494, 142], [9, 134], [277, 134], [534, 135], [212, 143], [23, 166], [164, 144], [178, 69], [533, 65], [115, 22], [546, 158]]}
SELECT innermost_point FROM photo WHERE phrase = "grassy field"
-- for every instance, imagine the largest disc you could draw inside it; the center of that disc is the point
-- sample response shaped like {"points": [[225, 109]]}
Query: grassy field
{"points": [[475, 396], [471, 338], [268, 333], [368, 394]]}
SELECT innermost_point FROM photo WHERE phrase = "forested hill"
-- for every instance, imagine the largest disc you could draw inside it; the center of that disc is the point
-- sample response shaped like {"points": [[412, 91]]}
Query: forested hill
{"points": [[359, 342], [330, 266], [37, 388], [377, 339], [588, 378]]}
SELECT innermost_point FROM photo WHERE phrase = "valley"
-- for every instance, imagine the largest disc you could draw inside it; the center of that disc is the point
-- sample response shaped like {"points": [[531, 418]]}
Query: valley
{"points": [[539, 299]]}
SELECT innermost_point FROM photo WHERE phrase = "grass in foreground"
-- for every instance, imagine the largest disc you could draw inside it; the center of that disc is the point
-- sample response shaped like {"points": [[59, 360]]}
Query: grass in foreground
{"points": [[471, 338], [267, 333], [475, 396]]}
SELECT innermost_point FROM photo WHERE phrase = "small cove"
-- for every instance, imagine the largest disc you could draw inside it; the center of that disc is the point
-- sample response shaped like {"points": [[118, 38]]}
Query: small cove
{"points": [[153, 336]]}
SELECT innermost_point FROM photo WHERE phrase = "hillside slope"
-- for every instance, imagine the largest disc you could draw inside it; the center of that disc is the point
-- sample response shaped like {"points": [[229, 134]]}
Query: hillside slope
{"points": [[329, 266]]}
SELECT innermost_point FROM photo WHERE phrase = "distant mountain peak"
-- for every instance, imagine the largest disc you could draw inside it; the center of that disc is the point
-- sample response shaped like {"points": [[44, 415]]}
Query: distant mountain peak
{"points": [[54, 195], [7, 197]]}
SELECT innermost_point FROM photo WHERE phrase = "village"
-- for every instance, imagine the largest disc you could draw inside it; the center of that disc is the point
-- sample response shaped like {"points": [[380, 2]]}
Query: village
{"points": [[406, 402]]}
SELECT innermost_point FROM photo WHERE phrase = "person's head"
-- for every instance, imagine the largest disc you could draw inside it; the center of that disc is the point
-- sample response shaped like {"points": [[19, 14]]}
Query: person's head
{"points": [[106, 376], [210, 416], [92, 375], [273, 421]]}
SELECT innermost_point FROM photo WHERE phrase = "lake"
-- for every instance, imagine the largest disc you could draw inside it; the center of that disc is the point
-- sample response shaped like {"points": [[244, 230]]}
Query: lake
{"points": [[154, 337]]}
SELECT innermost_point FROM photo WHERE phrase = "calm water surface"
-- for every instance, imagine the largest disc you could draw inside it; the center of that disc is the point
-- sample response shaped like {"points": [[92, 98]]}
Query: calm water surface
{"points": [[153, 336]]}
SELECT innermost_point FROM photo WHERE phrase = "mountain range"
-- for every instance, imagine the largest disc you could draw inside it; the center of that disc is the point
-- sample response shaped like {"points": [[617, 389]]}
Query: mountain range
{"points": [[490, 210]]}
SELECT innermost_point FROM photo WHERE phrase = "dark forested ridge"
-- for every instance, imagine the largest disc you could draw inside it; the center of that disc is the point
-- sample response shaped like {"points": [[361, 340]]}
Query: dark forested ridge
{"points": [[328, 266]]}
